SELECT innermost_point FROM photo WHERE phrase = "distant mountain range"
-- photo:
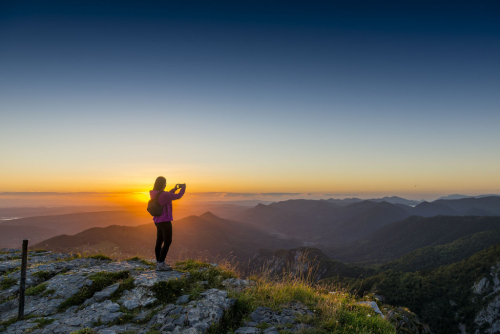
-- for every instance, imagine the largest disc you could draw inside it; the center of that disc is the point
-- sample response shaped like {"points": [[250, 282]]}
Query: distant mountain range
{"points": [[53, 225], [13, 236], [400, 238], [457, 196], [206, 236], [325, 223], [388, 199]]}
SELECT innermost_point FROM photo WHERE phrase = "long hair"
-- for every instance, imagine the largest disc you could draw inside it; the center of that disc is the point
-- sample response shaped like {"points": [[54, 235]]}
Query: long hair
{"points": [[160, 183]]}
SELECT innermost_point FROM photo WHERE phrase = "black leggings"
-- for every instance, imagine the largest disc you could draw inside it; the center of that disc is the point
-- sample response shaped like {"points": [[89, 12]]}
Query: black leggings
{"points": [[163, 236]]}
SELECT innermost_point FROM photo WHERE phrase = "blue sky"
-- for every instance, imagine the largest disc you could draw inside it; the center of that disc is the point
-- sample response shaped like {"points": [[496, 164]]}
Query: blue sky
{"points": [[250, 96]]}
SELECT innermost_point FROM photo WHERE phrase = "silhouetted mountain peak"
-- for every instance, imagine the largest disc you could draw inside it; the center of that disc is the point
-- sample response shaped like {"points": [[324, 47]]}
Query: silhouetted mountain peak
{"points": [[209, 216]]}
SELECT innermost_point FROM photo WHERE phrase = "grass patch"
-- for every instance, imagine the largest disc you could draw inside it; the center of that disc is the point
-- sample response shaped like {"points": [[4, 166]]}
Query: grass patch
{"points": [[334, 310], [13, 320], [37, 251], [6, 283], [186, 266], [36, 290], [100, 281], [11, 271], [168, 292], [263, 325], [99, 256], [334, 313], [48, 293], [126, 284], [85, 331], [43, 275], [40, 324], [7, 323]]}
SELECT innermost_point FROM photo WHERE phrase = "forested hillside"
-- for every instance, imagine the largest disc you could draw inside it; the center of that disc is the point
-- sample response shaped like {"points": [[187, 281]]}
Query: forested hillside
{"points": [[397, 239], [463, 294], [435, 256]]}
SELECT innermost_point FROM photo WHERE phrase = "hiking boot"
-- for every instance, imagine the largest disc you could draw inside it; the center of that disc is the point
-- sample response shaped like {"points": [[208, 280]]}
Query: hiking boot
{"points": [[163, 267]]}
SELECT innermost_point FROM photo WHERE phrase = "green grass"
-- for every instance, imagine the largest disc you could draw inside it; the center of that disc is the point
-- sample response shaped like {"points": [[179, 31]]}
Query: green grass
{"points": [[48, 292], [100, 281], [6, 283], [333, 313], [36, 290], [13, 320], [7, 323], [99, 256], [42, 322], [126, 284], [11, 271], [43, 275], [189, 265], [85, 331]]}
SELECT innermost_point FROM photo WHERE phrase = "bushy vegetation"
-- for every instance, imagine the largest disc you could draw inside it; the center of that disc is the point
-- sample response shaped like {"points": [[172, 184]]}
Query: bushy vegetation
{"points": [[6, 283], [36, 290], [43, 275], [441, 297], [100, 281]]}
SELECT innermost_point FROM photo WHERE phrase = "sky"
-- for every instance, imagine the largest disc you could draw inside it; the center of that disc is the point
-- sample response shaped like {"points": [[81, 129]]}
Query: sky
{"points": [[250, 98]]}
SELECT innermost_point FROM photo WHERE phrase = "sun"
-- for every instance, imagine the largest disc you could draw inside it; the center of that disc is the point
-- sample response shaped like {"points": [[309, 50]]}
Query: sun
{"points": [[141, 196]]}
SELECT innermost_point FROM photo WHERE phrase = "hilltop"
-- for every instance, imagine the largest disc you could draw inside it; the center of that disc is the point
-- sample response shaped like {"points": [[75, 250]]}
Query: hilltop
{"points": [[71, 294]]}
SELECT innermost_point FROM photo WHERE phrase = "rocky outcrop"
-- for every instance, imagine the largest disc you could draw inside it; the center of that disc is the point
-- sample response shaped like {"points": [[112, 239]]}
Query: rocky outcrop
{"points": [[487, 291], [265, 320]]}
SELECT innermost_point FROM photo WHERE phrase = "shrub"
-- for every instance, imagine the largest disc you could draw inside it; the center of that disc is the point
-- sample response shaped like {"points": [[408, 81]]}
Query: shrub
{"points": [[6, 283], [43, 275], [36, 290]]}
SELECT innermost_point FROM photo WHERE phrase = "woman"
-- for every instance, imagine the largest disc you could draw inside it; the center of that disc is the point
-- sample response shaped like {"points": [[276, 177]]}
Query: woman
{"points": [[164, 222]]}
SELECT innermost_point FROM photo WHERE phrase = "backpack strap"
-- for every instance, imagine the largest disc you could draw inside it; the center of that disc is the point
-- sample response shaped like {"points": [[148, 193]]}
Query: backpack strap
{"points": [[158, 196]]}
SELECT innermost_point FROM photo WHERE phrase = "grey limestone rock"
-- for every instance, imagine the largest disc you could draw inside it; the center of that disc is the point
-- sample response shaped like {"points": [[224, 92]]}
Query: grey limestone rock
{"points": [[182, 299], [286, 318], [247, 330]]}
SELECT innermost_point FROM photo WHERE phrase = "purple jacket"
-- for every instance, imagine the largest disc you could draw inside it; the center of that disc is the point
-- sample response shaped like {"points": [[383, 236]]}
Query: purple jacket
{"points": [[166, 199]]}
